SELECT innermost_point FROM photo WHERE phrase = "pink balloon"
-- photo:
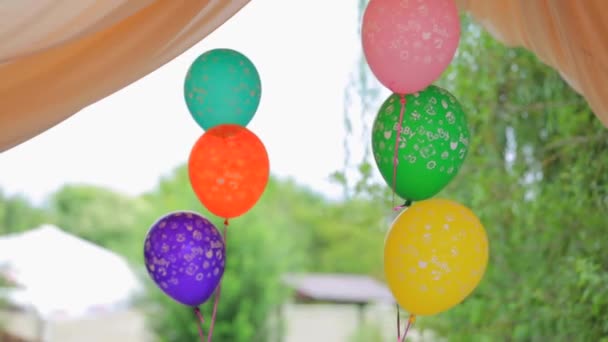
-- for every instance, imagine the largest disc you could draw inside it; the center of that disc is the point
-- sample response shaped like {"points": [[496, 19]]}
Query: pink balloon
{"points": [[408, 44]]}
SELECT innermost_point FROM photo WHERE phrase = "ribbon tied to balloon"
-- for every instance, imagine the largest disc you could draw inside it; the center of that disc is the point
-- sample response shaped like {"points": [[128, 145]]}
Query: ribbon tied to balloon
{"points": [[228, 170], [435, 254], [436, 250], [228, 165], [185, 256], [419, 148]]}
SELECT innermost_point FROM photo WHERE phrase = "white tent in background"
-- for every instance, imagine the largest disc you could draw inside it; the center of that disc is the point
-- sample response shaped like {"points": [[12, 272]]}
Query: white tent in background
{"points": [[61, 276]]}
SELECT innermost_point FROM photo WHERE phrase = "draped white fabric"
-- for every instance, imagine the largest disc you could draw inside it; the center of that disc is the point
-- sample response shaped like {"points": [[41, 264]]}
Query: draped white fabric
{"points": [[59, 56], [29, 26]]}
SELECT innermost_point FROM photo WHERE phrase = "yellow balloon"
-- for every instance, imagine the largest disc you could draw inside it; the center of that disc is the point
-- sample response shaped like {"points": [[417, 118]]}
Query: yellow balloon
{"points": [[435, 255]]}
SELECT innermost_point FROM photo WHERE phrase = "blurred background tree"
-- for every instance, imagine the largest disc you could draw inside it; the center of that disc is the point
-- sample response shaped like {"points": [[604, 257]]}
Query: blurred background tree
{"points": [[17, 214], [291, 229], [537, 176], [259, 252]]}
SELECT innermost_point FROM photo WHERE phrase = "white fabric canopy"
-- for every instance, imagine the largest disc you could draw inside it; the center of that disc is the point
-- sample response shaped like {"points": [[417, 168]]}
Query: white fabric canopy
{"points": [[61, 275], [30, 26]]}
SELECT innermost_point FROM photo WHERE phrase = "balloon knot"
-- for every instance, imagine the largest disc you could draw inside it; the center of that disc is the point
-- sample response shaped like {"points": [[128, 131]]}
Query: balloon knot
{"points": [[226, 223], [405, 205], [199, 326], [402, 99]]}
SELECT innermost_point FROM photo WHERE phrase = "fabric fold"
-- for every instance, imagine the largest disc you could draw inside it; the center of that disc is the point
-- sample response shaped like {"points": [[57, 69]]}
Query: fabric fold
{"points": [[568, 35], [41, 89]]}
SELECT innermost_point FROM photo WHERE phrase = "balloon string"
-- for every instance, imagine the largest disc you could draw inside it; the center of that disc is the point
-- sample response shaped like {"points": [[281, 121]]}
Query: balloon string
{"points": [[396, 152], [410, 321], [199, 325], [398, 322], [406, 204], [218, 290]]}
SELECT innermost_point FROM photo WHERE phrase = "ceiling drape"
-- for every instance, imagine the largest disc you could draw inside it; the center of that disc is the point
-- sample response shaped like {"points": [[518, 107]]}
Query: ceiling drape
{"points": [[569, 35], [59, 56]]}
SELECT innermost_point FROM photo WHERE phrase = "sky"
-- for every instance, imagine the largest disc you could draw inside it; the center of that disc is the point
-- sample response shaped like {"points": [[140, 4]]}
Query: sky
{"points": [[304, 52]]}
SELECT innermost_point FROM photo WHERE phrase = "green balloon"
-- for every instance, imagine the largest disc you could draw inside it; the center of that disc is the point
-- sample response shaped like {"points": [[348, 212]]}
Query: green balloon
{"points": [[222, 87], [433, 143]]}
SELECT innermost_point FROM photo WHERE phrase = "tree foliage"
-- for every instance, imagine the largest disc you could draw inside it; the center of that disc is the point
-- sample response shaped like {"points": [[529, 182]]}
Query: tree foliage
{"points": [[291, 229], [96, 214], [538, 179], [17, 214], [259, 252]]}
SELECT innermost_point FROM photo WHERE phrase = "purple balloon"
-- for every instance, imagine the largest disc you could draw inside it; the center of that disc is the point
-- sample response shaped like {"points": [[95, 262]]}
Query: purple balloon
{"points": [[185, 256]]}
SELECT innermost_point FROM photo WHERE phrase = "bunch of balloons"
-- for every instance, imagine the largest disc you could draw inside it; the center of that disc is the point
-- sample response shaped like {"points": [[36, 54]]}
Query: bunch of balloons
{"points": [[436, 251], [228, 165], [228, 169]]}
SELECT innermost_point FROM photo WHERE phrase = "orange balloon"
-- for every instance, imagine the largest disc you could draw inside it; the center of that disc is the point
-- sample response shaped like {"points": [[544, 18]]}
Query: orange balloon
{"points": [[229, 170]]}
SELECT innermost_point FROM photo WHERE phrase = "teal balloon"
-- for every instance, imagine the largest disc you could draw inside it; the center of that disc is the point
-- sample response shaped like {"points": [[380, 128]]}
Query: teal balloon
{"points": [[222, 86], [432, 147]]}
